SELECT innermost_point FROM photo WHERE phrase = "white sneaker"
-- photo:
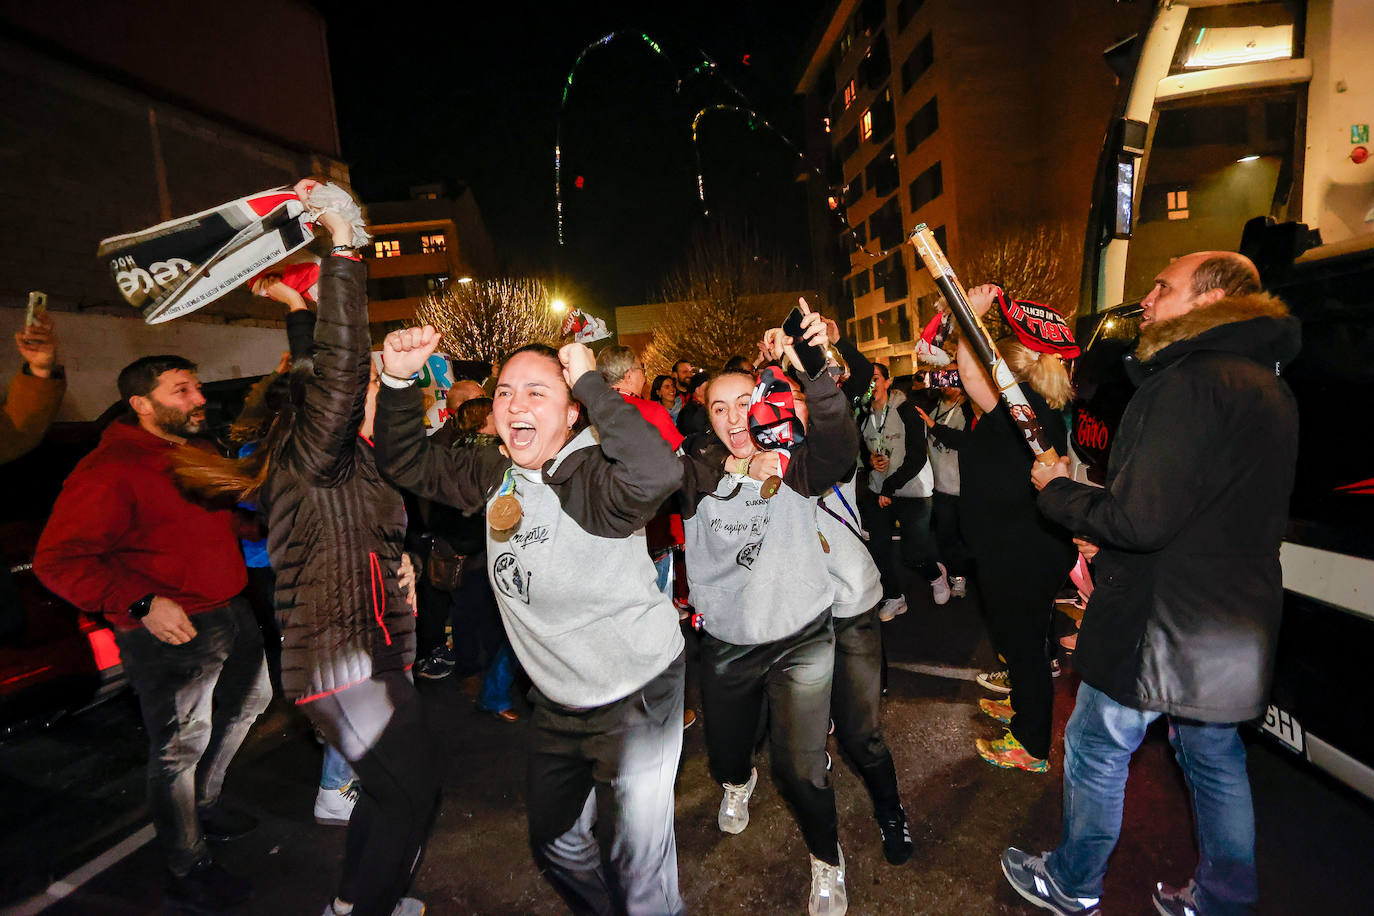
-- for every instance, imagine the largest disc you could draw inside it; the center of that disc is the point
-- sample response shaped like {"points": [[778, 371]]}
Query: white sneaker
{"points": [[333, 807], [828, 896], [940, 587], [891, 607], [958, 586], [734, 805]]}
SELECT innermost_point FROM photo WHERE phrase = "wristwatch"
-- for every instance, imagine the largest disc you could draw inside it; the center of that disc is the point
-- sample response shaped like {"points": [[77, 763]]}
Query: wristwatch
{"points": [[140, 608]]}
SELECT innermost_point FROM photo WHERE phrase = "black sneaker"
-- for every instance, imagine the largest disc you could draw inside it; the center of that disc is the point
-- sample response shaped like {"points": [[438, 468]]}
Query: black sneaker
{"points": [[220, 824], [1174, 901], [434, 667], [207, 888], [1030, 878], [896, 835]]}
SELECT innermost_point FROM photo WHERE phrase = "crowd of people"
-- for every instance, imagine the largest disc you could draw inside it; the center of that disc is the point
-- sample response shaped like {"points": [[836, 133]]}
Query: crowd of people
{"points": [[592, 531]]}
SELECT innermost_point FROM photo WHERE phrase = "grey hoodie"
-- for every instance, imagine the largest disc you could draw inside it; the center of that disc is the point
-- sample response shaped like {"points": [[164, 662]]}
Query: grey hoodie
{"points": [[574, 582], [858, 586]]}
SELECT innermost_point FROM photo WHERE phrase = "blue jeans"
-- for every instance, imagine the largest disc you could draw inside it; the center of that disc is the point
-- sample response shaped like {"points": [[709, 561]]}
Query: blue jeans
{"points": [[663, 567], [1098, 744], [335, 773]]}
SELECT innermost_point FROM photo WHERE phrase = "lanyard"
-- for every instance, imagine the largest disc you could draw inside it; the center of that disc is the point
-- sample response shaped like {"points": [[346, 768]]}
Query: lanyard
{"points": [[856, 528]]}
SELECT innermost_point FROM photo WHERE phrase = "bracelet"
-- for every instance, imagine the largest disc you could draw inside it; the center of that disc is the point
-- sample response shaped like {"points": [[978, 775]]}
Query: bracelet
{"points": [[744, 465], [343, 249], [396, 381]]}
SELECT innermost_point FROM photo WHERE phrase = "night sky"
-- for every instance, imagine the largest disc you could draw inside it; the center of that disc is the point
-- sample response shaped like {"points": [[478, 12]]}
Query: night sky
{"points": [[462, 93]]}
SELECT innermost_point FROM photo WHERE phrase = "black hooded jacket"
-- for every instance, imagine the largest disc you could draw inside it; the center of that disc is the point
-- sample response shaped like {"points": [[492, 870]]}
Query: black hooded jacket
{"points": [[1188, 598], [335, 527]]}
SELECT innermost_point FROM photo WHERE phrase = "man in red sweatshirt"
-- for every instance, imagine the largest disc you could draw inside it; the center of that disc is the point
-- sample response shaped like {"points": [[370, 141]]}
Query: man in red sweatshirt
{"points": [[167, 574]]}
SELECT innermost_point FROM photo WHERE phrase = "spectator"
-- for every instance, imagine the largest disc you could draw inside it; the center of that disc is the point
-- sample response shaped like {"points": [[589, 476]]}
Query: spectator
{"points": [[664, 391], [35, 391], [167, 574], [947, 426], [577, 595], [740, 364], [692, 419], [1185, 616], [1021, 557], [459, 393], [900, 484]]}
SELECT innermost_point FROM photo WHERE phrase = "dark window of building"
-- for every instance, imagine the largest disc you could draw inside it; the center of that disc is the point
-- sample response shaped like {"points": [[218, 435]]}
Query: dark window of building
{"points": [[866, 328], [851, 329], [435, 283], [903, 324], [883, 177], [384, 288], [885, 225], [848, 146], [905, 10], [871, 14], [928, 185], [877, 63], [825, 83], [890, 274], [923, 123], [919, 61], [854, 190], [859, 285], [884, 121], [883, 322], [859, 234]]}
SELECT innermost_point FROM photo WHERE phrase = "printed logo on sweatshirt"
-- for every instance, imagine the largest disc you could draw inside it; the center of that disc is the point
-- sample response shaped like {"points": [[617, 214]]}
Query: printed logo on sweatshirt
{"points": [[748, 554], [509, 579], [536, 535]]}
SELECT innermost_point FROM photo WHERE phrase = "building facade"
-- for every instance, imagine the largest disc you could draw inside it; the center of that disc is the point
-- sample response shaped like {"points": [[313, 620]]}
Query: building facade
{"points": [[978, 119], [419, 247]]}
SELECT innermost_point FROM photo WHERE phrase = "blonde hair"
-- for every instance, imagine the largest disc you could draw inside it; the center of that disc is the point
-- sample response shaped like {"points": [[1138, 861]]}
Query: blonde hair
{"points": [[1044, 372]]}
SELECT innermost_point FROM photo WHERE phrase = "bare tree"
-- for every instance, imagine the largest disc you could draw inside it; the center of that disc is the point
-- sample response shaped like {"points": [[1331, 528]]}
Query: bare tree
{"points": [[720, 299], [486, 319], [1035, 261]]}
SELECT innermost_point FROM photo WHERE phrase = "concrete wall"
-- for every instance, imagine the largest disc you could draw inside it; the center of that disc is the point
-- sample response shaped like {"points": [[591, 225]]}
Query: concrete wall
{"points": [[93, 348]]}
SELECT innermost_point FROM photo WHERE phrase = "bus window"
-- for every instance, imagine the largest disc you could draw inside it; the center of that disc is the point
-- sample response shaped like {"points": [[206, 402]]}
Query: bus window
{"points": [[1243, 33], [1212, 164]]}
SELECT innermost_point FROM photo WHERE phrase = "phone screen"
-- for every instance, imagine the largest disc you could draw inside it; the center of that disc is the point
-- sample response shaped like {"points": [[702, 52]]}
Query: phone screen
{"points": [[812, 357], [38, 303]]}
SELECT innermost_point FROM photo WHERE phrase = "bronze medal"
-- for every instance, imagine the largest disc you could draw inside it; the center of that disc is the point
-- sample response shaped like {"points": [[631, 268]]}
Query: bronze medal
{"points": [[825, 545], [504, 513], [770, 487]]}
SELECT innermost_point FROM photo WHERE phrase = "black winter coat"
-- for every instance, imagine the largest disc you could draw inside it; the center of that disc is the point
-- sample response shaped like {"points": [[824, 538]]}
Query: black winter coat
{"points": [[335, 527], [1185, 614]]}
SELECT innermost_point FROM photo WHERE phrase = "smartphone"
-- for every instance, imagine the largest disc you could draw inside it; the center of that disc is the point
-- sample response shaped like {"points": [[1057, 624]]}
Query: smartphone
{"points": [[942, 378], [38, 304], [811, 357]]}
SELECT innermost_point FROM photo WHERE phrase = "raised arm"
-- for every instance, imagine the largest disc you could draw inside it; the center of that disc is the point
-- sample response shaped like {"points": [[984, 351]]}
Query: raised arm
{"points": [[973, 376]]}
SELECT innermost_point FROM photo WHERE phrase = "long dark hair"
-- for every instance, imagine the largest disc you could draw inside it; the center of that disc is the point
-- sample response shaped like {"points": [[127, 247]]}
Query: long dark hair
{"points": [[211, 477]]}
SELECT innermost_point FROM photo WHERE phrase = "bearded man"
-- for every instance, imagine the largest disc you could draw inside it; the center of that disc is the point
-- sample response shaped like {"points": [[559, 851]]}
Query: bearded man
{"points": [[167, 574]]}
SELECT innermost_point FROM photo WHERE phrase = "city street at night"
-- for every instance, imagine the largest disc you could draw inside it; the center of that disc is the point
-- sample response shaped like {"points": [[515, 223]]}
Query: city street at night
{"points": [[84, 777]]}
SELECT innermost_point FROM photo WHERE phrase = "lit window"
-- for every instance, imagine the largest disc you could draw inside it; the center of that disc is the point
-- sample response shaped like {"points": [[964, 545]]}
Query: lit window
{"points": [[433, 244], [850, 94], [833, 201], [387, 248], [1178, 204], [866, 125], [436, 283], [827, 124], [1226, 47]]}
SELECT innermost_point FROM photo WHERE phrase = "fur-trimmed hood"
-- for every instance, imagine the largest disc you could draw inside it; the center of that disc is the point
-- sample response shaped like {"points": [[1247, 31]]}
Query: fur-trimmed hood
{"points": [[1256, 325]]}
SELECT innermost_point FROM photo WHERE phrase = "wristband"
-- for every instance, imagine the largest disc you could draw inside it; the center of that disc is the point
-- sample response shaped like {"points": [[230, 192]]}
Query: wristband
{"points": [[395, 381]]}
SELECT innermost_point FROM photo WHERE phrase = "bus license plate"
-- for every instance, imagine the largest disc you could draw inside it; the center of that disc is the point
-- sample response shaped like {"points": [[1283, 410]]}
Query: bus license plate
{"points": [[1283, 726]]}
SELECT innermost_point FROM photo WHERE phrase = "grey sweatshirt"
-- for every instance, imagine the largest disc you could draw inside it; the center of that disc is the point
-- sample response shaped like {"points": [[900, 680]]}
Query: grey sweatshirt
{"points": [[755, 566], [858, 586], [573, 580]]}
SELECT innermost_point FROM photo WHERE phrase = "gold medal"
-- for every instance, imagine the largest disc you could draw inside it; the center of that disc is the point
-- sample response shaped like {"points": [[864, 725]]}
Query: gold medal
{"points": [[770, 487], [504, 513], [825, 545]]}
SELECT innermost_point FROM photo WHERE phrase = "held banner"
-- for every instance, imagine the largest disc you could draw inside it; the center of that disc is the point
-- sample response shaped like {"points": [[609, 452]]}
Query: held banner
{"points": [[436, 378], [176, 267]]}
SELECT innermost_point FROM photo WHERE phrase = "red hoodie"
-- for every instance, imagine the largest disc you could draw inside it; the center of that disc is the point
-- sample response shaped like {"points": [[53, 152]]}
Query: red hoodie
{"points": [[121, 530]]}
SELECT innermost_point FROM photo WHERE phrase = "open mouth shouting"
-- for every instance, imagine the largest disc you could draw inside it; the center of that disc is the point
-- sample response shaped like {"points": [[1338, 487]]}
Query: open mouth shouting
{"points": [[738, 439], [522, 434]]}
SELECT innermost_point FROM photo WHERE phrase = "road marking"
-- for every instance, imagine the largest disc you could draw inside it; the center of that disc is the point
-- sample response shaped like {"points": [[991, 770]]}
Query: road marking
{"points": [[66, 885], [948, 672]]}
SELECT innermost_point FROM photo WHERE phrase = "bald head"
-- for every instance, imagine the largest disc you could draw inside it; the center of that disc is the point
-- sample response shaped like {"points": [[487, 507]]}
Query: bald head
{"points": [[461, 393], [1197, 280]]}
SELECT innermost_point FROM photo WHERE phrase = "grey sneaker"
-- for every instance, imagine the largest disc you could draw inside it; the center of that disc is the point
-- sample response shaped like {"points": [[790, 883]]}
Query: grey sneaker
{"points": [[958, 586], [1030, 878], [828, 896], [939, 588], [734, 805], [891, 607], [1174, 901], [996, 681], [333, 807]]}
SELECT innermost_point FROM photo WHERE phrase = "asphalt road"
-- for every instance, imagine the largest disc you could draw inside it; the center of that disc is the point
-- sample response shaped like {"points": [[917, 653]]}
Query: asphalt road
{"points": [[76, 790]]}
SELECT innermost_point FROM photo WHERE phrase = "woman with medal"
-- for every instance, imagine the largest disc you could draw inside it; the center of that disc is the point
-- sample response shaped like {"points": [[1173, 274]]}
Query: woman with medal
{"points": [[758, 579], [578, 596]]}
